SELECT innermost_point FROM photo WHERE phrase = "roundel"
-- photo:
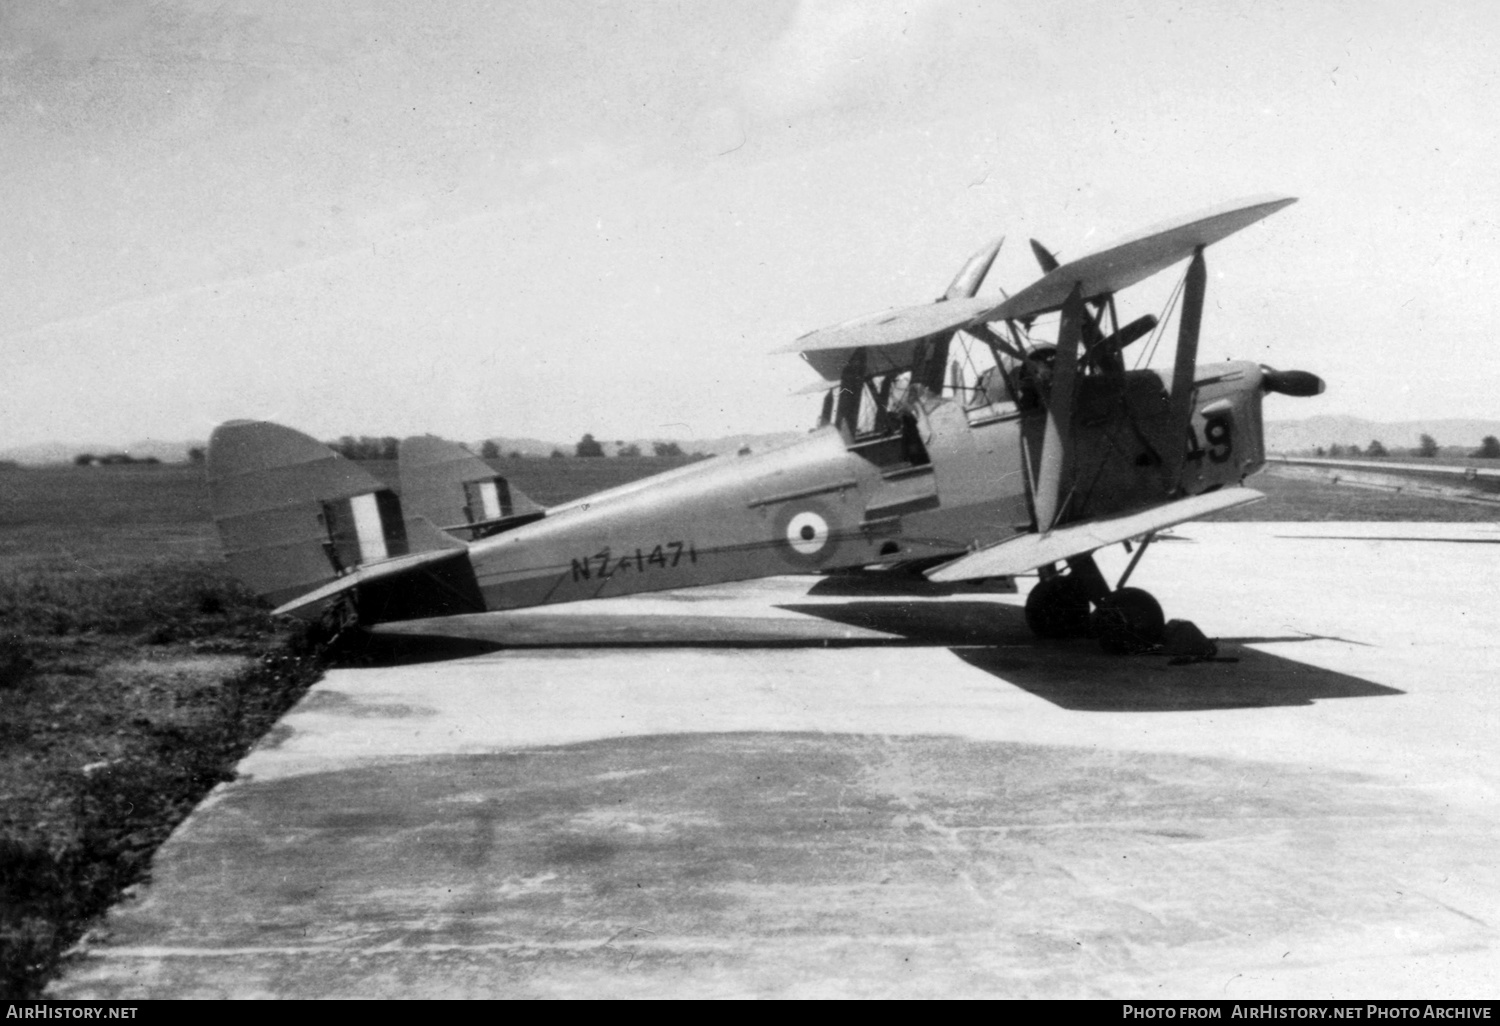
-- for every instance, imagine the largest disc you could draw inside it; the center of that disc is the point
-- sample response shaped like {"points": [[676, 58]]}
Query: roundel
{"points": [[805, 534]]}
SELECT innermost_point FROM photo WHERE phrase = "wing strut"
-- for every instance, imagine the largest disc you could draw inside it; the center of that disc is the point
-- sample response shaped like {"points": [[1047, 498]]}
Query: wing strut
{"points": [[1140, 551], [1057, 442], [1179, 405], [987, 335]]}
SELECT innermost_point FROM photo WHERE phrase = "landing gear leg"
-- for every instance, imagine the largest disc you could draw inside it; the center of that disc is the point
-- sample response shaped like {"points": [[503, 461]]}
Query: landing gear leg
{"points": [[1129, 619], [1125, 620], [1058, 607]]}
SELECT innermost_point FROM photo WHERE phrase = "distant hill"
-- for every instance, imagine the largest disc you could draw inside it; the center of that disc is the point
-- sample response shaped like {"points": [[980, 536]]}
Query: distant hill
{"points": [[524, 446], [1299, 435], [731, 444]]}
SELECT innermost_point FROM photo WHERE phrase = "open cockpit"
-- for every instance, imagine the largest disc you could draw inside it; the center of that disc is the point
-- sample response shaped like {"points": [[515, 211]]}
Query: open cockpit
{"points": [[882, 407]]}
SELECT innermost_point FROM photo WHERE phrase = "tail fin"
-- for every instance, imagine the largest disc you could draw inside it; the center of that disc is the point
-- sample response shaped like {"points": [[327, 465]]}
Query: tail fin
{"points": [[459, 492], [294, 516]]}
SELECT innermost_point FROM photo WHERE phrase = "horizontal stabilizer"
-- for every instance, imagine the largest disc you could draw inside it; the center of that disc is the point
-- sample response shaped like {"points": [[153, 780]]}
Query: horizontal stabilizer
{"points": [[1029, 551], [423, 536], [373, 572]]}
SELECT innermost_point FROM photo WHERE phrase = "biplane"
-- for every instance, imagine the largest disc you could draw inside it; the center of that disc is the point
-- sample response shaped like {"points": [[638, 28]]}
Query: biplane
{"points": [[956, 442]]}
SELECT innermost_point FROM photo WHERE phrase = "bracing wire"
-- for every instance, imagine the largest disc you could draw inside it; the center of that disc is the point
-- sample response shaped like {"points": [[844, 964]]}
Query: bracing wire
{"points": [[1148, 352]]}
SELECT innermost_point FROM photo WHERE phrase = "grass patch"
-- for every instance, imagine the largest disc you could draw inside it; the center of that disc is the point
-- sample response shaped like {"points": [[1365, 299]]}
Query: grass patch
{"points": [[1305, 499], [134, 674], [124, 698]]}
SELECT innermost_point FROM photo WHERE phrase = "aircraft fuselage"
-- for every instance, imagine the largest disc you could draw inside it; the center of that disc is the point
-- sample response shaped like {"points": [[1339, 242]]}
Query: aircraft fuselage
{"points": [[830, 502]]}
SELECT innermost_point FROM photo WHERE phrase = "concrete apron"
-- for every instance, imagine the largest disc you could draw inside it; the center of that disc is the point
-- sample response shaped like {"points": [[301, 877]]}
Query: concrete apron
{"points": [[757, 791]]}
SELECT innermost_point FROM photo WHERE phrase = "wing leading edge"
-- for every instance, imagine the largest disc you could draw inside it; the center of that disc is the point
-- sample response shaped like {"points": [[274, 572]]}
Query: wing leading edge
{"points": [[1029, 551]]}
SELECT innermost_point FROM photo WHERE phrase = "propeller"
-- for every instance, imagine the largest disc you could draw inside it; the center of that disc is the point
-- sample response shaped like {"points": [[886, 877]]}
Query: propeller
{"points": [[1294, 383], [1112, 345], [966, 283], [1044, 257]]}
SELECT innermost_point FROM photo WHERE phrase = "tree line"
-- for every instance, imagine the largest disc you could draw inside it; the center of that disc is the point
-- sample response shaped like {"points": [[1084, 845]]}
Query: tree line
{"points": [[1427, 446], [112, 459], [388, 448], [589, 447]]}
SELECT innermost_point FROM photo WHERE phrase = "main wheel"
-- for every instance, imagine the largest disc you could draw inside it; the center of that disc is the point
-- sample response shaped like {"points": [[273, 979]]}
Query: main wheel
{"points": [[1058, 608], [1128, 620]]}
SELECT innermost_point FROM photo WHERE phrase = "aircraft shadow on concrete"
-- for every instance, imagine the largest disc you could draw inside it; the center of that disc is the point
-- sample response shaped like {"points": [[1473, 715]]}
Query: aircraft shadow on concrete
{"points": [[989, 636], [909, 622], [376, 649], [407, 648], [1085, 679], [1078, 675], [898, 584]]}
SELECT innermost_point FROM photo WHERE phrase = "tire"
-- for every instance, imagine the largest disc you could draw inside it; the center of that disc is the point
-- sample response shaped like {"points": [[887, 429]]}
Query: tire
{"points": [[1058, 608], [1128, 620]]}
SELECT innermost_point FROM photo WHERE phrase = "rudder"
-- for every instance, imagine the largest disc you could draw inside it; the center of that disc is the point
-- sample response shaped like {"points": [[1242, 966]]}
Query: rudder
{"points": [[292, 514], [459, 492]]}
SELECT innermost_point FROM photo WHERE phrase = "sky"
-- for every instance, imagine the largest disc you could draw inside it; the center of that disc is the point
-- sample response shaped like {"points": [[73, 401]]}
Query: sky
{"points": [[545, 218]]}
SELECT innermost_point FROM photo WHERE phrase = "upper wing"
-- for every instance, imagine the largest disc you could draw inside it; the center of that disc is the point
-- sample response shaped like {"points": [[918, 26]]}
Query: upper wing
{"points": [[892, 327], [1029, 551], [1136, 257], [1128, 261]]}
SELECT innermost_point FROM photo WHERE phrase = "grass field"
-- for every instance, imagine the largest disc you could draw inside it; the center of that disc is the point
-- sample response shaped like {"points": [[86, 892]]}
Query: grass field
{"points": [[1441, 460], [134, 673], [1307, 499]]}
